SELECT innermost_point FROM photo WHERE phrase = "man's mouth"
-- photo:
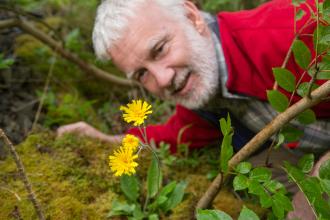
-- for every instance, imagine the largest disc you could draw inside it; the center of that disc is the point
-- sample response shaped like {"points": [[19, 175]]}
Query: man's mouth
{"points": [[181, 85]]}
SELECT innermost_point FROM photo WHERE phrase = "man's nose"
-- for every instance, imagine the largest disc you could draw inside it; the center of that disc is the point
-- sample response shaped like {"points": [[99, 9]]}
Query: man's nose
{"points": [[163, 75]]}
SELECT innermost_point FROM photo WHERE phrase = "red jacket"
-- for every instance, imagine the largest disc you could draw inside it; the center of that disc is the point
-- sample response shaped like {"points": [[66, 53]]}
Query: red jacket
{"points": [[254, 41]]}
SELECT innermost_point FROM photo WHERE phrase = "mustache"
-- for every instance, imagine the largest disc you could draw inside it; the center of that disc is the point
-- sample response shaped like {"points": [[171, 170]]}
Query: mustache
{"points": [[179, 81]]}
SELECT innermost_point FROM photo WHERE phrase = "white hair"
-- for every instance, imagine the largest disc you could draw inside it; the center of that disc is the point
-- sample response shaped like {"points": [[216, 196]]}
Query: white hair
{"points": [[112, 17]]}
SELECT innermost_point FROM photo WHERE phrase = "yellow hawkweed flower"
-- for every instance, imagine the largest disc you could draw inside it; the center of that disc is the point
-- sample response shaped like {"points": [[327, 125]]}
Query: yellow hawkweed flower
{"points": [[122, 162], [131, 142], [136, 112]]}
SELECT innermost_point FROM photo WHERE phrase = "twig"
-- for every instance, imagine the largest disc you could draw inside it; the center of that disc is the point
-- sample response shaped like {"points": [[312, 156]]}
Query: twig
{"points": [[23, 175], [254, 144], [43, 96], [86, 67], [12, 192]]}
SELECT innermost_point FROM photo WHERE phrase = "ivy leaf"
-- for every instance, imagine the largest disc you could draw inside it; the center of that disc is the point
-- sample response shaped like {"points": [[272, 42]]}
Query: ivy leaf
{"points": [[277, 100], [247, 214], [212, 215], [130, 187], [301, 54], [303, 88], [285, 79], [261, 174], [240, 182], [243, 167], [306, 163], [306, 117], [153, 178], [324, 172]]}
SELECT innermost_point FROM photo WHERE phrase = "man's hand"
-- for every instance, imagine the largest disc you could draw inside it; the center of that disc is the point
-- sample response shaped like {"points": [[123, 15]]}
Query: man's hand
{"points": [[84, 129]]}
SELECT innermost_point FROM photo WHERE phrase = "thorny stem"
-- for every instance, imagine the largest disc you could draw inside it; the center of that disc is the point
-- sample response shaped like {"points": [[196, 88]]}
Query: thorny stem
{"points": [[22, 173]]}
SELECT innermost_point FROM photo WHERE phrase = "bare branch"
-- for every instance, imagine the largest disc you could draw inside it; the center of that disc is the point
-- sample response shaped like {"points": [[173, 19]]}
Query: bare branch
{"points": [[22, 174], [254, 144], [83, 65]]}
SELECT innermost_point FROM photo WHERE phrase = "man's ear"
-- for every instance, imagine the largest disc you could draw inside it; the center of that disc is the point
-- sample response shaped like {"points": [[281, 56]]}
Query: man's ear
{"points": [[196, 18]]}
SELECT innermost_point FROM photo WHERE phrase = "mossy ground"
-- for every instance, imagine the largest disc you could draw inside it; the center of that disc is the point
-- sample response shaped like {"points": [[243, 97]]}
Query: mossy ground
{"points": [[71, 179]]}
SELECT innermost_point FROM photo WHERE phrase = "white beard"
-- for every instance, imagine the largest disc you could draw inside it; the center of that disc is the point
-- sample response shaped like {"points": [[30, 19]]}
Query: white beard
{"points": [[204, 64]]}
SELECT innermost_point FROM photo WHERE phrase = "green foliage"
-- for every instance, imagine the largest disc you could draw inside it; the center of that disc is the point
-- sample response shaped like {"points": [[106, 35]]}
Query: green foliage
{"points": [[303, 88], [313, 187], [247, 214], [277, 100], [153, 178], [212, 215], [258, 182], [301, 54], [163, 202], [226, 146], [306, 117], [5, 63], [285, 79], [306, 163], [67, 109], [130, 187]]}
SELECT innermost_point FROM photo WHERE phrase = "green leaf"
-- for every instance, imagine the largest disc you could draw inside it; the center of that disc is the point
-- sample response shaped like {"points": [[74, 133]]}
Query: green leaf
{"points": [[137, 213], [153, 178], [175, 197], [212, 215], [281, 204], [291, 133], [223, 126], [306, 117], [261, 174], [301, 54], [121, 208], [265, 199], [277, 100], [226, 152], [311, 187], [285, 79], [243, 167], [325, 184], [324, 69], [130, 187], [274, 186], [153, 217], [247, 214], [280, 141], [303, 88], [297, 2], [255, 187], [300, 14], [240, 182], [324, 172], [306, 163]]}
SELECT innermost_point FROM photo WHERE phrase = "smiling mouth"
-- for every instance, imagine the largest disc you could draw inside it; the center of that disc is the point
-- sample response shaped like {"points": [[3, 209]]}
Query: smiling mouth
{"points": [[182, 84]]}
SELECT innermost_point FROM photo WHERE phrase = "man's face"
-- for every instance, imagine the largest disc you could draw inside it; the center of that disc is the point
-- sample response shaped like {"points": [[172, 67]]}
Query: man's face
{"points": [[170, 58]]}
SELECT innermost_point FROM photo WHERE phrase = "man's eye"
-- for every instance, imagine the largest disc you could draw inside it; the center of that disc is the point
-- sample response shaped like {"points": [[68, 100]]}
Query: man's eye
{"points": [[159, 50], [140, 75]]}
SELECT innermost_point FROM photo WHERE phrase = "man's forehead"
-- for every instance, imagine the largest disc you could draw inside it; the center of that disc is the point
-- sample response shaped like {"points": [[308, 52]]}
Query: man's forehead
{"points": [[141, 35]]}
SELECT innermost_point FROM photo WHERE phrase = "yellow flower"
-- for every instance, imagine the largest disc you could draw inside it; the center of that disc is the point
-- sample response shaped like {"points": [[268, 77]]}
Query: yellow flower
{"points": [[131, 142], [136, 112], [123, 162]]}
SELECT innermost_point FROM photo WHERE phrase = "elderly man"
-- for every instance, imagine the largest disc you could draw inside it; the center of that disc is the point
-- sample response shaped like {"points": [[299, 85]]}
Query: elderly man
{"points": [[210, 65]]}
